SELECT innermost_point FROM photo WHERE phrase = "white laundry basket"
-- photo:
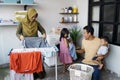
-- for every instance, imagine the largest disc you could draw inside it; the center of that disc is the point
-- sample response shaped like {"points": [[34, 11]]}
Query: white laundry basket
{"points": [[80, 72]]}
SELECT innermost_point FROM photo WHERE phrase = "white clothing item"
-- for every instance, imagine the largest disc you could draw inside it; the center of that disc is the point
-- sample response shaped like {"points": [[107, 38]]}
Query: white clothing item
{"points": [[47, 52], [102, 50], [19, 76]]}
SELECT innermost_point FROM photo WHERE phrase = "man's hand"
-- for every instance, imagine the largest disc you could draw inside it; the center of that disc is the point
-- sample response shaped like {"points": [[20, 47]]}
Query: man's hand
{"points": [[80, 51]]}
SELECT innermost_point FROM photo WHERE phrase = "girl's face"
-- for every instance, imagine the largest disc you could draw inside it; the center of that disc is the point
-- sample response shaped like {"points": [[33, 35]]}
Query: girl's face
{"points": [[65, 35]]}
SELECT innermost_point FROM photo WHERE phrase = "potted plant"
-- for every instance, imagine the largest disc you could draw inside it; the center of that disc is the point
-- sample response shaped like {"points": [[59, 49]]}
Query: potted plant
{"points": [[75, 33]]}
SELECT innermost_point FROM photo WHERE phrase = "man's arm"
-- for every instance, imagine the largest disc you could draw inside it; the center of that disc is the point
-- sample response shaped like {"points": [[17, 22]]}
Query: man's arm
{"points": [[80, 51]]}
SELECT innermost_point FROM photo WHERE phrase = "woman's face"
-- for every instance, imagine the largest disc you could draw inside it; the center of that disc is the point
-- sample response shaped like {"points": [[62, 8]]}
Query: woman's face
{"points": [[33, 18]]}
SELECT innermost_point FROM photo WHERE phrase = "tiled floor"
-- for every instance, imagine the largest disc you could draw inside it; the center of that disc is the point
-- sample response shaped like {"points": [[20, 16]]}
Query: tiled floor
{"points": [[105, 75], [50, 74]]}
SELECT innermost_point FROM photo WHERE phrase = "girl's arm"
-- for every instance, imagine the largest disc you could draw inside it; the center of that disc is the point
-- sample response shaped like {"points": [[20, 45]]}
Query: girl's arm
{"points": [[66, 42]]}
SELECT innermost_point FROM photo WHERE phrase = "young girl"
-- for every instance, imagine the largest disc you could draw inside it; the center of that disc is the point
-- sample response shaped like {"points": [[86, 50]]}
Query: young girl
{"points": [[65, 55]]}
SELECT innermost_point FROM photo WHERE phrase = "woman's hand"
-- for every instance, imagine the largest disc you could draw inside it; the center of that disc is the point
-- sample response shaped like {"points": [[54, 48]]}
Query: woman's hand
{"points": [[21, 37]]}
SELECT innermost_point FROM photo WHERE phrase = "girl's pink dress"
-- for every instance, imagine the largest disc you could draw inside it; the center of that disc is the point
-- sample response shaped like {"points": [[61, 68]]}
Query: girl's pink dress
{"points": [[64, 53]]}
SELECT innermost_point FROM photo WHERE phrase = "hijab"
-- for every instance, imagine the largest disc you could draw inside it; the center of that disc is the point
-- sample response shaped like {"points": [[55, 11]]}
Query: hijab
{"points": [[30, 27]]}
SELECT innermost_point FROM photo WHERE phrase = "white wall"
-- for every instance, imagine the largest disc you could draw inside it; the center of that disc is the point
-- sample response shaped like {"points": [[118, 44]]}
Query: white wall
{"points": [[49, 17], [8, 38], [49, 12], [112, 61], [83, 14], [8, 41]]}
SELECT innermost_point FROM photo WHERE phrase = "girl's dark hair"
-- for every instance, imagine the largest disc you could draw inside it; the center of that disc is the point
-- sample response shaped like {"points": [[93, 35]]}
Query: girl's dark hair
{"points": [[89, 29], [63, 32]]}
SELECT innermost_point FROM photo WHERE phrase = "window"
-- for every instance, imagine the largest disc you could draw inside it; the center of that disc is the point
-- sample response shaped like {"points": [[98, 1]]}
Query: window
{"points": [[104, 16], [108, 13], [96, 0], [108, 0], [95, 13], [118, 35]]}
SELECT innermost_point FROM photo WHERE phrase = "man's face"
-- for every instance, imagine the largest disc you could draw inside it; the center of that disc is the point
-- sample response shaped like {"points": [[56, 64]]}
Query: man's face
{"points": [[86, 34]]}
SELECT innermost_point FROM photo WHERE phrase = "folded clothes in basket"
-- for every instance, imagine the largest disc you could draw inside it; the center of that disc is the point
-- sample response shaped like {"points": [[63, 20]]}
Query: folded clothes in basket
{"points": [[77, 72]]}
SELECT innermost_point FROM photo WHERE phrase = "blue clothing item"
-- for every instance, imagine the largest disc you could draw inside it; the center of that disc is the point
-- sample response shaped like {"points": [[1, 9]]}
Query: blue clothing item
{"points": [[34, 42], [96, 73], [72, 51]]}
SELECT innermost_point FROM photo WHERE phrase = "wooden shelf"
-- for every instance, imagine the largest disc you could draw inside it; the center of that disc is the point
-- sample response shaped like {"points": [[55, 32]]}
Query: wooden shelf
{"points": [[70, 13], [69, 22], [15, 4], [8, 24], [18, 4]]}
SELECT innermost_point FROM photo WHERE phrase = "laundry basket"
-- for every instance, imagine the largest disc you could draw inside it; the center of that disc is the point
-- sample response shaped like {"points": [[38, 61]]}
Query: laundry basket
{"points": [[80, 72]]}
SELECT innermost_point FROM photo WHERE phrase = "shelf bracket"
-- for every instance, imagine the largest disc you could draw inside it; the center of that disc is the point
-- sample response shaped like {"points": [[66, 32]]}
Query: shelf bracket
{"points": [[25, 7]]}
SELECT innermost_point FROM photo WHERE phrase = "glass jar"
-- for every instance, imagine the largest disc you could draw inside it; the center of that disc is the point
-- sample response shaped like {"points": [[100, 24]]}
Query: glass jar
{"points": [[75, 9]]}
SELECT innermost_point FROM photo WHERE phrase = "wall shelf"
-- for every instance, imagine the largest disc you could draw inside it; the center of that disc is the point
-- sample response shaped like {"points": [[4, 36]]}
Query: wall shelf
{"points": [[69, 13], [18, 4], [69, 18], [12, 4], [10, 24], [69, 22], [15, 4]]}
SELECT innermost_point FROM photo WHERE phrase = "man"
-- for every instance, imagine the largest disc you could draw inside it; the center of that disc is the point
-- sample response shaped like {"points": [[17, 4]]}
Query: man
{"points": [[90, 46]]}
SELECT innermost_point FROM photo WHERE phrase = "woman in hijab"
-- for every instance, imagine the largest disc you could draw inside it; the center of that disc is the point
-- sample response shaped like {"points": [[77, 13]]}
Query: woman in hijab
{"points": [[29, 27]]}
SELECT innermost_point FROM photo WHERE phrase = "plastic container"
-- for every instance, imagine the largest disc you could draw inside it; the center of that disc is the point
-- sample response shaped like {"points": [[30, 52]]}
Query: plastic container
{"points": [[80, 72], [75, 18], [10, 1], [27, 1]]}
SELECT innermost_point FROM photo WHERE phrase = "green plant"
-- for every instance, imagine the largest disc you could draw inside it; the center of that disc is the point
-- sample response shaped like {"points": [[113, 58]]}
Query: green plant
{"points": [[75, 33]]}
